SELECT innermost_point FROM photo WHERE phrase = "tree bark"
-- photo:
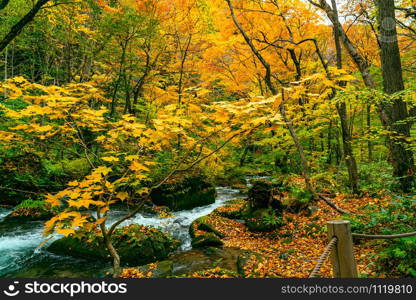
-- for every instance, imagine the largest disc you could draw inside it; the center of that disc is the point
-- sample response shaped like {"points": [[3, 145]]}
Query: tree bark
{"points": [[396, 111], [343, 115], [393, 113]]}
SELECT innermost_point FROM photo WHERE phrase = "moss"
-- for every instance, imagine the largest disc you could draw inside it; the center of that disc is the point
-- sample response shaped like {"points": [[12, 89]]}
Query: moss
{"points": [[206, 240], [262, 220], [31, 210], [202, 224], [209, 228], [69, 168], [248, 260], [265, 194], [161, 269], [186, 194], [136, 244]]}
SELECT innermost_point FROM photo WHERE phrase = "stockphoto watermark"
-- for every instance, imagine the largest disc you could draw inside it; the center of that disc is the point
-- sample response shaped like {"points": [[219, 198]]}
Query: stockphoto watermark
{"points": [[71, 289]]}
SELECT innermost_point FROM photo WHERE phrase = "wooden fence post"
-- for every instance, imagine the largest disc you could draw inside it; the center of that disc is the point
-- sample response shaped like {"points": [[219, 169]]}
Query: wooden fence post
{"points": [[342, 256]]}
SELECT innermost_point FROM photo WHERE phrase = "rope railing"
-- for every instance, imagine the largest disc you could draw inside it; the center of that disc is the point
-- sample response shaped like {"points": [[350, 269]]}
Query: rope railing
{"points": [[341, 248], [379, 236], [324, 256]]}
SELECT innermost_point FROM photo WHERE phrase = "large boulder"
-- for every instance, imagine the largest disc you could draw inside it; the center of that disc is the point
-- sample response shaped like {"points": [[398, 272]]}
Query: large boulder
{"points": [[206, 240], [202, 224], [204, 234], [264, 208], [30, 210], [266, 194], [196, 260], [262, 220], [136, 245], [188, 193]]}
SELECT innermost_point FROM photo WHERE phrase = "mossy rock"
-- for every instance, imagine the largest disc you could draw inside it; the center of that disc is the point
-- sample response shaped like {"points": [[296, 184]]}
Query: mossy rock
{"points": [[202, 224], [74, 168], [299, 198], [30, 214], [160, 269], [231, 210], [262, 220], [30, 210], [136, 245], [186, 194], [265, 194], [248, 259], [206, 240]]}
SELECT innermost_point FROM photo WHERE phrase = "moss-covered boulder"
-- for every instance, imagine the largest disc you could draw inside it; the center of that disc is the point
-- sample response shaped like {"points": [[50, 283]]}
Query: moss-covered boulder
{"points": [[247, 263], [68, 168], [232, 210], [206, 240], [299, 198], [160, 269], [31, 211], [204, 234], [203, 225], [136, 245], [188, 193], [262, 220], [266, 194]]}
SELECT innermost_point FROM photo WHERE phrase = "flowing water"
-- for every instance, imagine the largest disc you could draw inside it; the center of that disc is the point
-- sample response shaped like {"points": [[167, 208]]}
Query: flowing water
{"points": [[21, 255]]}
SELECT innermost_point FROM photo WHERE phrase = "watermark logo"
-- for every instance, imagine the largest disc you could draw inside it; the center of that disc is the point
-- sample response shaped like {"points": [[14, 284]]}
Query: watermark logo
{"points": [[12, 290], [65, 288]]}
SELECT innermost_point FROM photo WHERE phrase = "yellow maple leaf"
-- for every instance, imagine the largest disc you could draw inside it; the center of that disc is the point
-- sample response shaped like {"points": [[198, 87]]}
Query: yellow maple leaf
{"points": [[136, 166], [122, 196], [102, 170], [110, 158], [65, 231], [53, 200]]}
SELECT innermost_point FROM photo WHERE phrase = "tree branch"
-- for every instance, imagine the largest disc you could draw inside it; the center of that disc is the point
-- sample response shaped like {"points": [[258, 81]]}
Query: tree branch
{"points": [[17, 28]]}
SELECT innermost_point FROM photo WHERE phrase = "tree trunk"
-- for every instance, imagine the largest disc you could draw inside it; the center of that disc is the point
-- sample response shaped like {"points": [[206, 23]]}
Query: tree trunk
{"points": [[274, 91], [396, 111], [369, 143], [120, 76], [113, 252], [342, 112], [393, 113], [17, 28], [348, 151]]}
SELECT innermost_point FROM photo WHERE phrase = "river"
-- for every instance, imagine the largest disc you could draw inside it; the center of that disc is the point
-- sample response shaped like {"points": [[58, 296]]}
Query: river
{"points": [[21, 255]]}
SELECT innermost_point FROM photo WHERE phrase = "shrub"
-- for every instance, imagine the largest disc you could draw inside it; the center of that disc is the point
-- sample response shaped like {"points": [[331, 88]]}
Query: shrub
{"points": [[395, 257]]}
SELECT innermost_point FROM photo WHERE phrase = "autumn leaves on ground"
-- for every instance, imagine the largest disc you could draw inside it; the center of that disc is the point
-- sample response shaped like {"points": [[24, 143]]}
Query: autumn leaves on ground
{"points": [[115, 110], [289, 251]]}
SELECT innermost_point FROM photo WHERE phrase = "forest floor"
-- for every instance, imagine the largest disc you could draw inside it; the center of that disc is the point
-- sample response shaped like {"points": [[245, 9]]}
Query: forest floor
{"points": [[293, 250]]}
